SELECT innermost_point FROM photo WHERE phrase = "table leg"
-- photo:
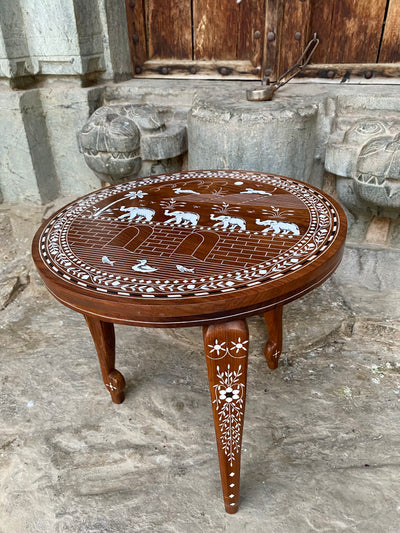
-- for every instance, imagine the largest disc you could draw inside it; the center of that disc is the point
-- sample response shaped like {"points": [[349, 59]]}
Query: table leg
{"points": [[273, 348], [226, 348], [104, 340]]}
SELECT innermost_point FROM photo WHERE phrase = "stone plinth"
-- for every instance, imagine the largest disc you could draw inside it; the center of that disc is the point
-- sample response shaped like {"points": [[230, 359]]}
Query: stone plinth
{"points": [[227, 131]]}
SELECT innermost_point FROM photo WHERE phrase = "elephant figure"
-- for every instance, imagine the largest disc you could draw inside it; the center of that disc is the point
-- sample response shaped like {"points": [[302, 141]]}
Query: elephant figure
{"points": [[228, 222], [278, 227], [139, 213], [182, 218]]}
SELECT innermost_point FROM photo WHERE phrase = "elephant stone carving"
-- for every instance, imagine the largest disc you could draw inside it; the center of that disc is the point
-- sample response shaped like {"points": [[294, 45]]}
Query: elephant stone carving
{"points": [[117, 140], [366, 159], [110, 142]]}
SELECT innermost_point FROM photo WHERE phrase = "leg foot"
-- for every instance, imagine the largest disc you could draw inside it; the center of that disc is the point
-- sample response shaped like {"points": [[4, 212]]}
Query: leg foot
{"points": [[226, 348], [273, 348], [104, 340]]}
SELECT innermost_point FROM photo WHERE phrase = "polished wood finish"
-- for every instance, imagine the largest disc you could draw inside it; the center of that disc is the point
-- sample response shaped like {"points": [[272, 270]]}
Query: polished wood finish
{"points": [[104, 339], [190, 248], [226, 347], [202, 247], [273, 348]]}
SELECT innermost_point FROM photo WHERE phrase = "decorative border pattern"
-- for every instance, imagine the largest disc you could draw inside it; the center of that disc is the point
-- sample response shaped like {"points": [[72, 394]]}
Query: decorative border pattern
{"points": [[56, 254]]}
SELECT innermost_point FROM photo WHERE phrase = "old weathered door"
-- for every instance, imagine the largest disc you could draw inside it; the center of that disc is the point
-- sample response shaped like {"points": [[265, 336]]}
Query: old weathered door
{"points": [[201, 38], [256, 38], [357, 37]]}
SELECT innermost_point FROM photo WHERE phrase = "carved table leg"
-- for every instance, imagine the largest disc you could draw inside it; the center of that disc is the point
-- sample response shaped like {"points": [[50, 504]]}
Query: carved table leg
{"points": [[273, 348], [104, 340], [226, 348]]}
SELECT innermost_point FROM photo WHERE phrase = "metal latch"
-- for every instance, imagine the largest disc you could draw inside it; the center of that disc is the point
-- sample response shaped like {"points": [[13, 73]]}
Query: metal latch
{"points": [[267, 90]]}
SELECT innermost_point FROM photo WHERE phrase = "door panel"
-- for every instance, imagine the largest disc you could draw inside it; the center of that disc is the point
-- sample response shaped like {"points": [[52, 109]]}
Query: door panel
{"points": [[227, 29], [198, 38], [390, 48], [250, 39], [349, 30], [170, 33]]}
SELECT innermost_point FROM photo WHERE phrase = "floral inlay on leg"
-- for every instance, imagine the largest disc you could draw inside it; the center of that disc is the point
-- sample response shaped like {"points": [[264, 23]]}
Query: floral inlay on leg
{"points": [[217, 346], [239, 345], [229, 400]]}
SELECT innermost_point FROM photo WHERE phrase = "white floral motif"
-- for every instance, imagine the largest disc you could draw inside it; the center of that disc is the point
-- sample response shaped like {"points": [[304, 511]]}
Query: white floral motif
{"points": [[217, 346], [229, 403], [239, 345], [229, 394]]}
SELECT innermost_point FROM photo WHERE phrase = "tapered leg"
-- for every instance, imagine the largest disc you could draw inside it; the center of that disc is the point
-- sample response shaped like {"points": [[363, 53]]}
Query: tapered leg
{"points": [[226, 347], [273, 348], [104, 340]]}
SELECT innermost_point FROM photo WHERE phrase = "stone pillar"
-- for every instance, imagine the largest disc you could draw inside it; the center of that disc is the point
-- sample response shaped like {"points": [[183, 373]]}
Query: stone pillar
{"points": [[84, 38], [49, 51], [227, 131]]}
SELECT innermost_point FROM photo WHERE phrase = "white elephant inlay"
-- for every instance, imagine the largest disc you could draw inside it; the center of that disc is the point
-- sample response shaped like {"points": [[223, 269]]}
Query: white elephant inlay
{"points": [[138, 213], [228, 222], [278, 227], [182, 218]]}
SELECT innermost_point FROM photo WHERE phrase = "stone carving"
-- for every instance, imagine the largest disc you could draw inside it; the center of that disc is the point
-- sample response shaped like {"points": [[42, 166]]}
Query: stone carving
{"points": [[366, 159], [118, 139]]}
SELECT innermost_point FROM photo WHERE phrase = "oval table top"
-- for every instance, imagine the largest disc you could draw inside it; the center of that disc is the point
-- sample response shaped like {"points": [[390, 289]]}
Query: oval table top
{"points": [[191, 247]]}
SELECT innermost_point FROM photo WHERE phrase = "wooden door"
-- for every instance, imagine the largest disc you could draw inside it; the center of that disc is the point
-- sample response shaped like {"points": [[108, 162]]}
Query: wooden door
{"points": [[253, 39], [197, 38], [357, 37]]}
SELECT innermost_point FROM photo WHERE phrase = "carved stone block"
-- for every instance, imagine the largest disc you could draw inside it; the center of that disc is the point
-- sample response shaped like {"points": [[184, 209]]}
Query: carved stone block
{"points": [[366, 159], [118, 138]]}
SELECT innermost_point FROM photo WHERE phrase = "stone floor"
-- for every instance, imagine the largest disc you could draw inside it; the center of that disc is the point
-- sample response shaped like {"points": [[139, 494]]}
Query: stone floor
{"points": [[321, 449]]}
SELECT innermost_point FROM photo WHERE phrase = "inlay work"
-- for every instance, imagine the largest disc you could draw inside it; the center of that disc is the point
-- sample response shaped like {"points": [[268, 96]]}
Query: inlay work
{"points": [[205, 248], [143, 223]]}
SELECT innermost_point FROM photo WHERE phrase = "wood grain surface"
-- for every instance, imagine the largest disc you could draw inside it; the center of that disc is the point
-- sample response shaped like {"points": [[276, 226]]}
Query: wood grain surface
{"points": [[349, 31], [390, 47], [190, 248]]}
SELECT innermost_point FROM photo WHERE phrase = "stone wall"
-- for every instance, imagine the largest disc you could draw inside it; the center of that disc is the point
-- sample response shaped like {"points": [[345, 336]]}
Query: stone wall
{"points": [[83, 38], [49, 51]]}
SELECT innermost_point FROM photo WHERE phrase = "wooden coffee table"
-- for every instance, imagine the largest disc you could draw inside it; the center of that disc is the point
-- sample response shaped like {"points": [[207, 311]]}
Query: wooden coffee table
{"points": [[205, 248]]}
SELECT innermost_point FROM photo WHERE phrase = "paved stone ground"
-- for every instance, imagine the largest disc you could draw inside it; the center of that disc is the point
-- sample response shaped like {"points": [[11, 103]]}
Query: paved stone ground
{"points": [[322, 432]]}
